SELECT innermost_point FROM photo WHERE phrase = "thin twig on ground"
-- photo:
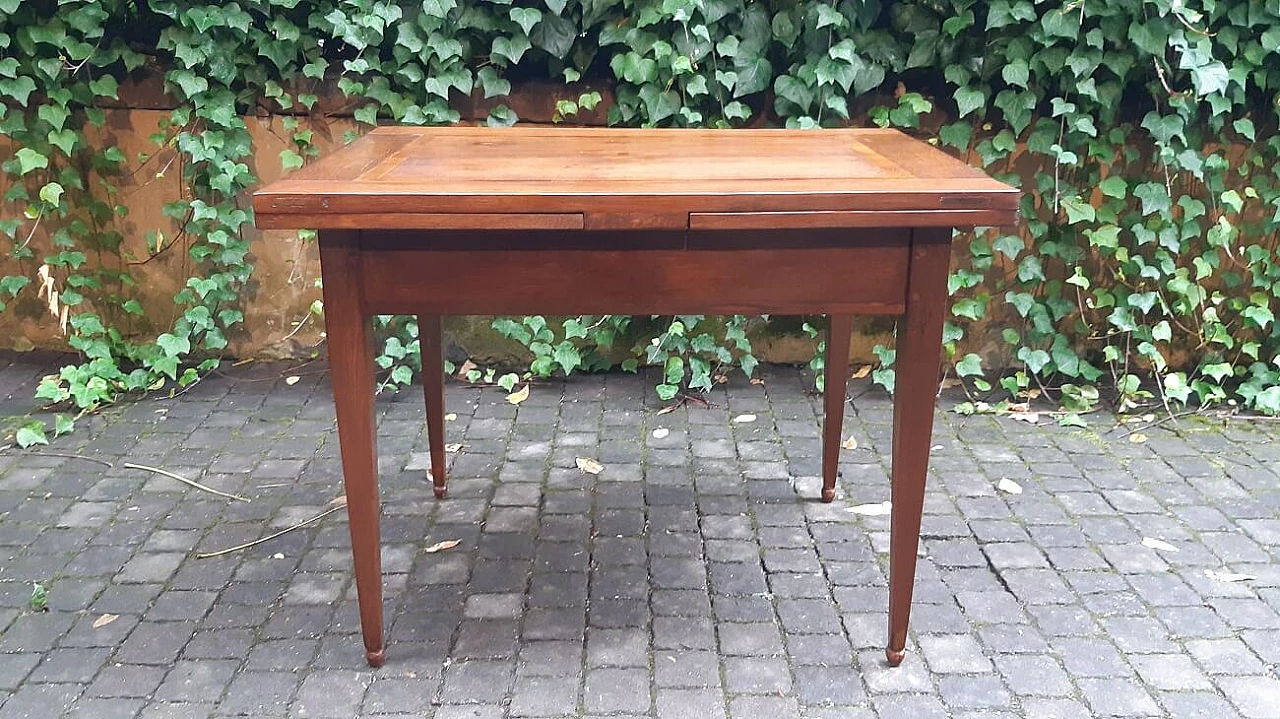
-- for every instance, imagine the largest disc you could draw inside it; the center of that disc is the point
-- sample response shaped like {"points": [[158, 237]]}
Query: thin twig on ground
{"points": [[184, 480], [1167, 418], [102, 462], [269, 537]]}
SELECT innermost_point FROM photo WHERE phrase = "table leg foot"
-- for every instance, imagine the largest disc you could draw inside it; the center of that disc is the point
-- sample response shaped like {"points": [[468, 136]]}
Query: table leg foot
{"points": [[828, 494], [440, 491], [376, 659], [895, 656]]}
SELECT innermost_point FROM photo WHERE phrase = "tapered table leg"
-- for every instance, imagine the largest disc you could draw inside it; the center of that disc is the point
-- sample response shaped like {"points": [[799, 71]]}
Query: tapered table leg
{"points": [[835, 382], [916, 389], [429, 336], [351, 367]]}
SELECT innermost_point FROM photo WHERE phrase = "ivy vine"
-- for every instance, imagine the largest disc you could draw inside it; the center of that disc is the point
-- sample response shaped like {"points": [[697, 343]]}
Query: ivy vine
{"points": [[1143, 133]]}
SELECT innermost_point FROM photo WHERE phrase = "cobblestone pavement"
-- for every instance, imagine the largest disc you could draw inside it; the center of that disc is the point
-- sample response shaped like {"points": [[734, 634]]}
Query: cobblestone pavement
{"points": [[695, 577]]}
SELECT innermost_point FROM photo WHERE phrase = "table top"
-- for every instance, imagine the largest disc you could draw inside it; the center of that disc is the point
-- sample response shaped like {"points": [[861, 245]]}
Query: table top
{"points": [[562, 178]]}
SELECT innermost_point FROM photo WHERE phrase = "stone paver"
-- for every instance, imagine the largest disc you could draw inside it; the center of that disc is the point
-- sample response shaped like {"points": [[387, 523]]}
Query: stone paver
{"points": [[694, 577]]}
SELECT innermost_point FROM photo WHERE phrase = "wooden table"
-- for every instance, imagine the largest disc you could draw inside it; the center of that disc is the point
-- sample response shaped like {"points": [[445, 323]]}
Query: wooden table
{"points": [[466, 220]]}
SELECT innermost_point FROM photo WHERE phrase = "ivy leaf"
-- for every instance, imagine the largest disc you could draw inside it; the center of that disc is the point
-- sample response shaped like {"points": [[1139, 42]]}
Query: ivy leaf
{"points": [[659, 105], [64, 140], [794, 90], [51, 193], [438, 8], [1210, 78], [173, 345], [13, 284], [1009, 245], [402, 375], [62, 424], [290, 160], [754, 75], [828, 16], [510, 49], [1030, 269], [1271, 39], [956, 135], [567, 356], [1036, 360], [29, 160], [1150, 37], [1021, 301], [969, 99], [969, 366], [30, 434], [191, 84], [1078, 210], [19, 88], [1016, 73], [554, 34], [525, 17], [1114, 187], [1154, 196]]}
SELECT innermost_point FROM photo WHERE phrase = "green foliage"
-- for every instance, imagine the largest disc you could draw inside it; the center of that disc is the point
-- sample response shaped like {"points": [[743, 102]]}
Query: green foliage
{"points": [[694, 351], [1145, 129], [39, 601]]}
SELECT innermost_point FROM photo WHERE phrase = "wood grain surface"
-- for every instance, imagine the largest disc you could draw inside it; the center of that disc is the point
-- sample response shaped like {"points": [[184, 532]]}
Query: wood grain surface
{"points": [[444, 177]]}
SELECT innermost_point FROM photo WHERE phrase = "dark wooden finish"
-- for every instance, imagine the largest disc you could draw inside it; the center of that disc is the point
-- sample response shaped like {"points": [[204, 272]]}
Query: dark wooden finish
{"points": [[804, 281], [429, 341], [349, 333], [439, 221], [835, 382], [916, 389]]}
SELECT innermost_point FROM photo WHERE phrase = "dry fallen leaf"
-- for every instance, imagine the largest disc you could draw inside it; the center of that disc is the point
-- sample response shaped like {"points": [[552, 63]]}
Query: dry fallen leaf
{"points": [[952, 383], [1020, 407], [743, 418], [1008, 485], [756, 380], [1137, 438], [589, 465], [278, 555], [338, 501], [453, 448], [661, 432], [1028, 417], [875, 509], [861, 372], [292, 379], [719, 378], [104, 620], [441, 546], [1163, 546], [851, 443], [450, 417], [464, 369], [1227, 576], [668, 408], [519, 395]]}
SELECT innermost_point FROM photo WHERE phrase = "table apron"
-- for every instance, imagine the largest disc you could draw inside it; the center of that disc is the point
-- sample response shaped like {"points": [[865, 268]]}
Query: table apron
{"points": [[868, 279]]}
